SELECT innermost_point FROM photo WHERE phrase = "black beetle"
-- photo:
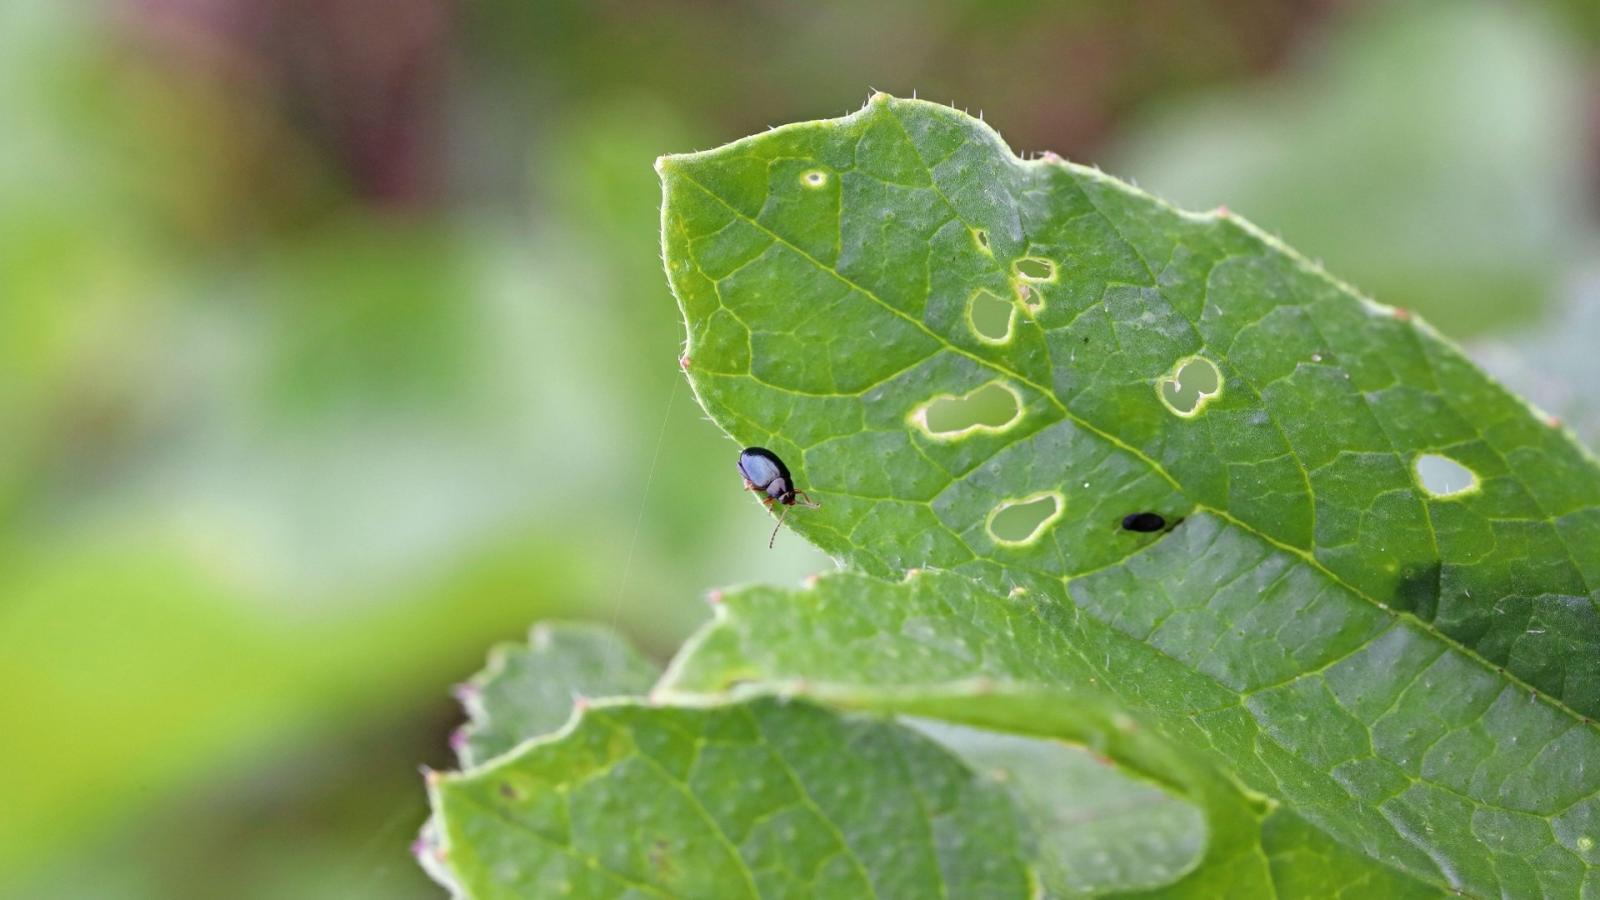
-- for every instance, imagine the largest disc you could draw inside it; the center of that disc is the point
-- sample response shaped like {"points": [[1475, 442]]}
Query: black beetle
{"points": [[765, 473], [1145, 521]]}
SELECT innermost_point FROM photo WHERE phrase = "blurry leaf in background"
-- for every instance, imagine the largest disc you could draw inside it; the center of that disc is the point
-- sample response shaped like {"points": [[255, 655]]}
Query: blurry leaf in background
{"points": [[1429, 152], [1554, 362], [264, 493]]}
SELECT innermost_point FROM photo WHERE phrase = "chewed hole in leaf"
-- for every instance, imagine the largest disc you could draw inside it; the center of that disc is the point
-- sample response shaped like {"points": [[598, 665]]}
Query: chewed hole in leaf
{"points": [[1191, 384], [814, 178], [990, 317], [1022, 521], [1442, 476], [994, 407], [981, 238], [1035, 268], [1029, 298]]}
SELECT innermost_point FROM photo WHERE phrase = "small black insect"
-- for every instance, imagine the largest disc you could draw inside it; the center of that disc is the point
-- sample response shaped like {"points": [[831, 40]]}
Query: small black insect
{"points": [[765, 473], [1145, 521]]}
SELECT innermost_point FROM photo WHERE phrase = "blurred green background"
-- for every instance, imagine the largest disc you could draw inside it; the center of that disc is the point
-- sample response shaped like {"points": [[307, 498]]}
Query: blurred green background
{"points": [[334, 345]]}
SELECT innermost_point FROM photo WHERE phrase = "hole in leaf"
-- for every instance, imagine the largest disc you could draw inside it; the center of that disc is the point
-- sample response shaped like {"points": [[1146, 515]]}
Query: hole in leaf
{"points": [[1029, 298], [815, 178], [1191, 384], [1442, 476], [982, 239], [994, 407], [1035, 268], [1022, 521], [991, 317]]}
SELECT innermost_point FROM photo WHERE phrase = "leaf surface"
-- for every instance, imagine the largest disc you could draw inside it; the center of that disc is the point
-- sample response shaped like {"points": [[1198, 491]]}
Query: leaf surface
{"points": [[529, 689], [762, 798]]}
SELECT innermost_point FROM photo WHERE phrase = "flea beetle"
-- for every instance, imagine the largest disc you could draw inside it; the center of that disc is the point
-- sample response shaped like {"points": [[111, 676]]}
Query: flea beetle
{"points": [[1145, 521], [765, 473]]}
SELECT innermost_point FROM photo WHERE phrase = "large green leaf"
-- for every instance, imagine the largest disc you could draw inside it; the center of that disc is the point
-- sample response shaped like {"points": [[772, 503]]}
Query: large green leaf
{"points": [[762, 798], [1073, 825], [1408, 672]]}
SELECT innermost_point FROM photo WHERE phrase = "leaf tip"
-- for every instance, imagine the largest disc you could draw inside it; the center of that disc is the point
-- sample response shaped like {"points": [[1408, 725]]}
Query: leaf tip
{"points": [[667, 163]]}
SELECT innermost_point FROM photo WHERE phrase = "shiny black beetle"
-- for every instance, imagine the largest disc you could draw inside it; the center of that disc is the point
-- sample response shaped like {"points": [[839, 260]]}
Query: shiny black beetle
{"points": [[765, 473]]}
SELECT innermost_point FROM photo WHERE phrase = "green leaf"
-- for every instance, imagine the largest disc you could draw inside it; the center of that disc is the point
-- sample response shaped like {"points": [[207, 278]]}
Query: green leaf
{"points": [[939, 646], [1408, 674], [753, 799], [1093, 829], [1083, 826], [529, 689]]}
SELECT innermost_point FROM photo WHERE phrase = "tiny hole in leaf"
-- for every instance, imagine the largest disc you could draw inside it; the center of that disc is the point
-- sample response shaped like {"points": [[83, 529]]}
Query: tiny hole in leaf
{"points": [[990, 408], [991, 317], [1194, 381], [1035, 268], [815, 178], [982, 237], [1021, 521], [1032, 299], [1442, 476]]}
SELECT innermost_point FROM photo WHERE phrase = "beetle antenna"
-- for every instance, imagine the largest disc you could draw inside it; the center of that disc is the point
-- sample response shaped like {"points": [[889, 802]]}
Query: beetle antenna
{"points": [[809, 502], [775, 528]]}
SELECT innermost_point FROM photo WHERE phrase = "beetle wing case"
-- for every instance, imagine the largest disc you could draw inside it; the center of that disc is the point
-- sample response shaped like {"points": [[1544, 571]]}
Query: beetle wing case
{"points": [[761, 467]]}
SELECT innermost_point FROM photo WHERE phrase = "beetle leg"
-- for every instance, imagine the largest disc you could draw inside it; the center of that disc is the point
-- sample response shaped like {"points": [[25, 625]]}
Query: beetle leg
{"points": [[775, 528]]}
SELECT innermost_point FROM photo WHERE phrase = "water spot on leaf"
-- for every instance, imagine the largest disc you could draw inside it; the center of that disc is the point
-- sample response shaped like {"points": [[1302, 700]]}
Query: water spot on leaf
{"points": [[1035, 268], [1193, 382], [1442, 476], [990, 317], [1016, 522], [815, 178], [994, 407]]}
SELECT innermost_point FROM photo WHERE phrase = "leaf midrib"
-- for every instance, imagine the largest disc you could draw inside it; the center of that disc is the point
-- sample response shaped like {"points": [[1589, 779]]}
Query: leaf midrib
{"points": [[1423, 625]]}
